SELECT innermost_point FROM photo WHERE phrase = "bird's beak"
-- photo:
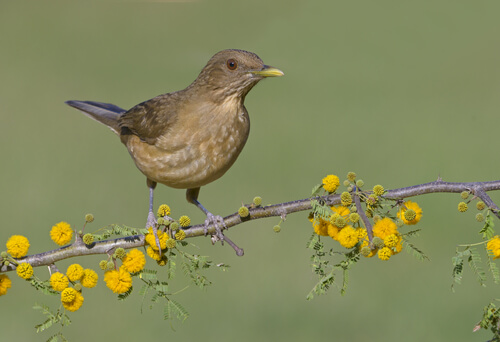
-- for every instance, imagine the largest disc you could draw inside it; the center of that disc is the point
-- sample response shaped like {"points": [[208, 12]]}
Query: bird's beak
{"points": [[268, 71]]}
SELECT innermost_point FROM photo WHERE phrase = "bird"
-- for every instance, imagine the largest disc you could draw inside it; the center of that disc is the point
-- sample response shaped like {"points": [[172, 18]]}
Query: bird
{"points": [[189, 138]]}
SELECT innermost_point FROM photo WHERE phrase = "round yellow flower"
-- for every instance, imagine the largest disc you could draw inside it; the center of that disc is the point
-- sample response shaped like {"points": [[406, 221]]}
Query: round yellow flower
{"points": [[365, 245], [153, 254], [494, 246], [331, 183], [18, 246], [180, 235], [150, 239], [134, 261], [391, 240], [384, 228], [24, 270], [185, 221], [89, 278], [346, 198], [384, 253], [74, 272], [320, 226], [71, 299], [68, 295], [59, 281], [61, 233], [333, 231], [361, 233], [462, 207], [341, 210], [415, 207], [163, 210], [378, 190], [351, 176], [118, 281], [5, 284], [348, 237]]}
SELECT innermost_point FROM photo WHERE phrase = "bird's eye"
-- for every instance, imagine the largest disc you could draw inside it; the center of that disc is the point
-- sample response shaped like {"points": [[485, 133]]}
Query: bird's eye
{"points": [[231, 64]]}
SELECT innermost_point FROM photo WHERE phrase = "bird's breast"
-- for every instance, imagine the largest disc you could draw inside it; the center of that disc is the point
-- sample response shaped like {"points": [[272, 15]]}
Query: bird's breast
{"points": [[197, 150]]}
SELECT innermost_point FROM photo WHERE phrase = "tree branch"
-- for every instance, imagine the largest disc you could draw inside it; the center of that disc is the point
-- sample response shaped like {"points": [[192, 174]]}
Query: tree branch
{"points": [[78, 248]]}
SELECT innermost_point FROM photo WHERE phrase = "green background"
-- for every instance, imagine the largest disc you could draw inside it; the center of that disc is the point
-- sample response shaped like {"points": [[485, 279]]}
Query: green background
{"points": [[400, 92]]}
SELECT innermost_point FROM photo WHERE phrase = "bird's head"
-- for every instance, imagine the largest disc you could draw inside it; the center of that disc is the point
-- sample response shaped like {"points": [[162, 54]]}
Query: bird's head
{"points": [[232, 73]]}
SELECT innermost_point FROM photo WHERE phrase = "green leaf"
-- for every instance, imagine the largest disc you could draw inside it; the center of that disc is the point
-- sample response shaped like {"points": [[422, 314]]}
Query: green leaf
{"points": [[412, 249], [174, 309], [474, 260], [123, 296]]}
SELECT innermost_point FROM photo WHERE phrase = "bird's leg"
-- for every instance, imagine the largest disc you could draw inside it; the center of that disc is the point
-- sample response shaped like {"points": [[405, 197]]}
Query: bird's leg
{"points": [[217, 221], [151, 222]]}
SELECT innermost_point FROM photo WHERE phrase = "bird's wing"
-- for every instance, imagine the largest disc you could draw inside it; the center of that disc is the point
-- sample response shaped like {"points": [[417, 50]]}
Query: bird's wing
{"points": [[150, 119]]}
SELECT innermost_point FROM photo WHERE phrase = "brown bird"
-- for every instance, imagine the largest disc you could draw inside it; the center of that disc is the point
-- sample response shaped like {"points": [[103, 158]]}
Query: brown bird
{"points": [[189, 138]]}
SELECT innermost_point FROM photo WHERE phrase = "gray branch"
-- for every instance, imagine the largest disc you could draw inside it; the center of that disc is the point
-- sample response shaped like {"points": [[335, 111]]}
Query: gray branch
{"points": [[78, 248]]}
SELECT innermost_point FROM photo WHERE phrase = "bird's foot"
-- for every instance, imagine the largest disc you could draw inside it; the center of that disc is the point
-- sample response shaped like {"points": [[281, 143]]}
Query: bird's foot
{"points": [[219, 225], [151, 222]]}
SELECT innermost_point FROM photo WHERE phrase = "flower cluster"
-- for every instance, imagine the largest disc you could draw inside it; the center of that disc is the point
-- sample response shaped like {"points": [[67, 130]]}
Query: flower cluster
{"points": [[120, 281], [71, 297], [345, 225]]}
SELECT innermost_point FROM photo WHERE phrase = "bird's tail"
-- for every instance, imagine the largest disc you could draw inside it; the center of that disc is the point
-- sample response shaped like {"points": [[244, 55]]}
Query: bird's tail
{"points": [[105, 113]]}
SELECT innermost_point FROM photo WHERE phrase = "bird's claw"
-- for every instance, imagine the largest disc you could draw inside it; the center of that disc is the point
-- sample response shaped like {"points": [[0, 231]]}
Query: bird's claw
{"points": [[219, 226], [151, 222]]}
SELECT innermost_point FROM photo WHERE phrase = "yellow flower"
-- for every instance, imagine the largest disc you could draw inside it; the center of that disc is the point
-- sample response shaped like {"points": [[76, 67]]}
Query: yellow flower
{"points": [[89, 278], [74, 272], [134, 261], [384, 253], [5, 284], [367, 244], [378, 190], [331, 183], [384, 228], [361, 233], [320, 226], [391, 240], [163, 210], [68, 295], [154, 254], [61, 233], [333, 231], [399, 245], [118, 281], [59, 281], [180, 235], [150, 239], [346, 198], [18, 246], [341, 210], [462, 207], [415, 207], [185, 221], [494, 246], [24, 270], [71, 299], [348, 237]]}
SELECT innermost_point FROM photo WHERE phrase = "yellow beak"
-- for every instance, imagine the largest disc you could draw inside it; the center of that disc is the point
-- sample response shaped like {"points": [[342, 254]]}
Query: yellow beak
{"points": [[268, 71]]}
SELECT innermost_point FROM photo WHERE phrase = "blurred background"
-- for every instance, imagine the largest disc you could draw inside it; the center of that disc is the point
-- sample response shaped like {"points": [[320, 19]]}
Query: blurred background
{"points": [[400, 92]]}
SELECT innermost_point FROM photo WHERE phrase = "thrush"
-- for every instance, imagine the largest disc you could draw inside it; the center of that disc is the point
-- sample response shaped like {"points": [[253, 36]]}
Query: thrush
{"points": [[189, 138]]}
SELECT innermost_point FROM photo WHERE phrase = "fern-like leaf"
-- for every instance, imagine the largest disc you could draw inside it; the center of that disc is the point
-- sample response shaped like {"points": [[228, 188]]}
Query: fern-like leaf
{"points": [[412, 249], [174, 309], [474, 260]]}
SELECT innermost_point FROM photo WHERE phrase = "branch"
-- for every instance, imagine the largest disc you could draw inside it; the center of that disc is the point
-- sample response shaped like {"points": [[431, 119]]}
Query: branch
{"points": [[78, 248]]}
